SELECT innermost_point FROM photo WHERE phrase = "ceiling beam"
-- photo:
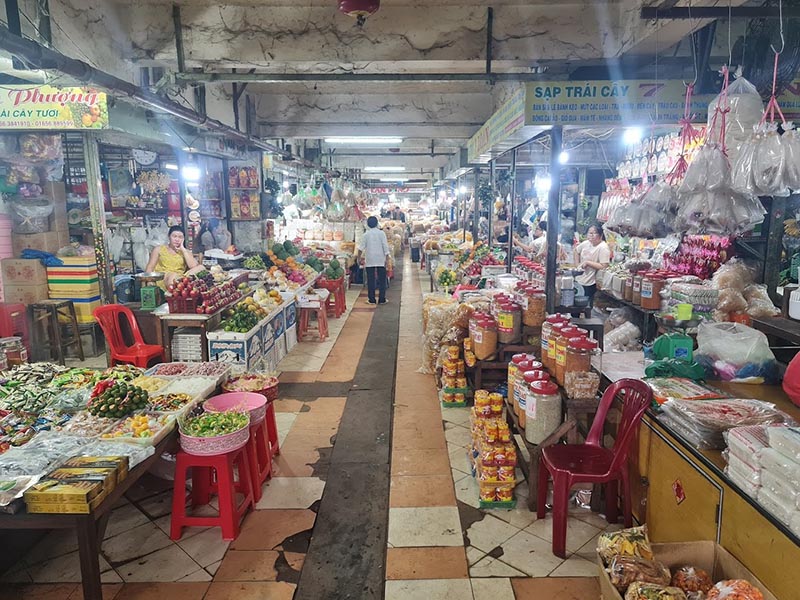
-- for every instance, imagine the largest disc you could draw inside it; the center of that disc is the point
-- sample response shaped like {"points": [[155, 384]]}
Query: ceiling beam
{"points": [[718, 12], [295, 77]]}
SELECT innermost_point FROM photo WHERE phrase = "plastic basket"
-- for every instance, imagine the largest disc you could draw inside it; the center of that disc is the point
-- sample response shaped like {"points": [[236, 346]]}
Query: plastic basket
{"points": [[256, 404], [270, 392], [211, 446]]}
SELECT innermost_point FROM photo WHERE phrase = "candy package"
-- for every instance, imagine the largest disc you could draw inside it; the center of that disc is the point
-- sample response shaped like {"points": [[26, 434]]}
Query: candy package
{"points": [[780, 466], [653, 591], [12, 487], [692, 580], [625, 542], [743, 471], [624, 570], [783, 490], [747, 443], [734, 589]]}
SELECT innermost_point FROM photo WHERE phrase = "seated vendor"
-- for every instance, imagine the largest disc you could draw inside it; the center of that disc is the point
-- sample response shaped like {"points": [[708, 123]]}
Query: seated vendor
{"points": [[172, 259]]}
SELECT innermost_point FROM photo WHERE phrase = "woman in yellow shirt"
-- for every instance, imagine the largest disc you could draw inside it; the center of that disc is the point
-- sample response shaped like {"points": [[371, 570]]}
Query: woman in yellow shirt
{"points": [[173, 259]]}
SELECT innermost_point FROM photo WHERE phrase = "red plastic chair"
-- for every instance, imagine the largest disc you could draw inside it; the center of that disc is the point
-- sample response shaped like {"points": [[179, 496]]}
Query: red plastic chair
{"points": [[140, 354], [591, 463]]}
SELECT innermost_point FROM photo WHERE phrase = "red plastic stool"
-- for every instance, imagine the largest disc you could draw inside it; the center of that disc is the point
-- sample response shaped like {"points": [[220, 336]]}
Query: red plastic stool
{"points": [[212, 474], [14, 322], [272, 429], [260, 455], [305, 318]]}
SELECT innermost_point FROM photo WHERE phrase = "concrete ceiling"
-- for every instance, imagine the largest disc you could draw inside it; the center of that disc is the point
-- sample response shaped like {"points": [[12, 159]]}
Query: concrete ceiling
{"points": [[404, 36]]}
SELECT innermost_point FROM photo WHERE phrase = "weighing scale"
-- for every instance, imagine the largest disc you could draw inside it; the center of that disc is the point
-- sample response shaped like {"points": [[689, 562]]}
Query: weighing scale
{"points": [[151, 295]]}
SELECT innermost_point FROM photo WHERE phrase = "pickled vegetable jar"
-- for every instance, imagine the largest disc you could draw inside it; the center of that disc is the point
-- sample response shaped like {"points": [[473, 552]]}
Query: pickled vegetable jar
{"points": [[509, 322], [484, 338], [580, 353]]}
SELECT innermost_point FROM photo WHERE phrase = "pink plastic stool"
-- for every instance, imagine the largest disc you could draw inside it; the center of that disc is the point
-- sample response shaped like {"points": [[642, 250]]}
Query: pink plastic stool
{"points": [[272, 429], [305, 319], [212, 474]]}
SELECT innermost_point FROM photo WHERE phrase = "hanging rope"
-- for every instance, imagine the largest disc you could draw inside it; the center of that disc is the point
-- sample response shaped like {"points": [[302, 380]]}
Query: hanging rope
{"points": [[689, 135], [772, 105]]}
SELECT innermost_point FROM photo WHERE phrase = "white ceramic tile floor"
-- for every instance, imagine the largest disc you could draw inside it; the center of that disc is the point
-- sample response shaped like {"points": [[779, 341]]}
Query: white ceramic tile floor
{"points": [[492, 589], [489, 532], [428, 589], [492, 567], [167, 564], [530, 554], [291, 492], [425, 526], [578, 532], [575, 566]]}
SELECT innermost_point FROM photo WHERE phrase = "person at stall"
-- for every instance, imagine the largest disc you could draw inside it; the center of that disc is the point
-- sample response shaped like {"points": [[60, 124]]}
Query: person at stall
{"points": [[207, 241], [537, 246], [172, 258], [591, 255], [373, 254]]}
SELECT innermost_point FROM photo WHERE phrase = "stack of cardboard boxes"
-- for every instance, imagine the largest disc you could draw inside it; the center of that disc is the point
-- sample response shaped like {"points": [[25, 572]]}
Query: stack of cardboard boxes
{"points": [[24, 280], [58, 235]]}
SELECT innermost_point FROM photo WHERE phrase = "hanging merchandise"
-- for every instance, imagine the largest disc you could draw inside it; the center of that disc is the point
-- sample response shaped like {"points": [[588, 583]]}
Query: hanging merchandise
{"points": [[709, 203], [791, 157], [744, 110], [759, 167]]}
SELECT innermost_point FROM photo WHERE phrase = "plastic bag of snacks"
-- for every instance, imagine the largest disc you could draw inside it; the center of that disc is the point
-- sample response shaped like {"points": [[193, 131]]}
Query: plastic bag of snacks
{"points": [[692, 580], [624, 570], [625, 542], [734, 589], [791, 165], [785, 440], [747, 443], [653, 591]]}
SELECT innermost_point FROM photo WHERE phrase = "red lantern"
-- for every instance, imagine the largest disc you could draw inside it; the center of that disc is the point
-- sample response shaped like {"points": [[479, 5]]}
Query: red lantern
{"points": [[360, 9]]}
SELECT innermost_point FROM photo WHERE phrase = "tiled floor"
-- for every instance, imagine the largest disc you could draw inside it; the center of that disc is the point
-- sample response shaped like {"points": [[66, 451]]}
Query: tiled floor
{"points": [[440, 544]]}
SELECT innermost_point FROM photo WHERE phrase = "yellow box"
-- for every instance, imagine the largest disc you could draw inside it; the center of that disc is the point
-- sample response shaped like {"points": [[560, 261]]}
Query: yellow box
{"points": [[65, 507]]}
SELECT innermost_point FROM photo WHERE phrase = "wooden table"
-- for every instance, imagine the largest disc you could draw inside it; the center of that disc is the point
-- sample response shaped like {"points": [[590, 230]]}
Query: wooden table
{"points": [[90, 528], [205, 323]]}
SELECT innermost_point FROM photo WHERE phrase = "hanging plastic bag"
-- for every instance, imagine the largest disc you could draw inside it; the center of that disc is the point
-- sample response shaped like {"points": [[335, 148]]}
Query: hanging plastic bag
{"points": [[768, 160], [742, 172], [791, 157], [745, 112], [115, 245]]}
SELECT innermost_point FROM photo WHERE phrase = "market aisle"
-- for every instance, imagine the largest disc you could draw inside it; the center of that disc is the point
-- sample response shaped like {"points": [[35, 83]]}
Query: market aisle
{"points": [[441, 545]]}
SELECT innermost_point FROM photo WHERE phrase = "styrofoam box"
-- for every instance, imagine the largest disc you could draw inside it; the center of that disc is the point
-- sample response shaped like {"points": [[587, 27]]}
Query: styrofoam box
{"points": [[291, 338], [279, 348], [290, 314]]}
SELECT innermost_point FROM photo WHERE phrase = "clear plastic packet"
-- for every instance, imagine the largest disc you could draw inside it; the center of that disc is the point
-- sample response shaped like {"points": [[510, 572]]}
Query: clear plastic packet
{"points": [[731, 300], [697, 172], [785, 440], [71, 400], [743, 470], [136, 453], [781, 488], [653, 591], [759, 304], [692, 580], [745, 110], [691, 216], [768, 162], [748, 443], [742, 170], [733, 274], [13, 487], [734, 589], [791, 157], [625, 542], [16, 462], [781, 508], [624, 570], [746, 486], [735, 343], [720, 415], [780, 466]]}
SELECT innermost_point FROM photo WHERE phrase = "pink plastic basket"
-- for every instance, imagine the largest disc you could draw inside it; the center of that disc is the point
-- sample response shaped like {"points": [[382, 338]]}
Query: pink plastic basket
{"points": [[210, 446], [255, 404]]}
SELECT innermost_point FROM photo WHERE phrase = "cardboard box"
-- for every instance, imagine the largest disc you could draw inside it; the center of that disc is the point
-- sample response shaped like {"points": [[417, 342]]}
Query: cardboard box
{"points": [[26, 294], [23, 271], [47, 242], [708, 555], [290, 314], [242, 351]]}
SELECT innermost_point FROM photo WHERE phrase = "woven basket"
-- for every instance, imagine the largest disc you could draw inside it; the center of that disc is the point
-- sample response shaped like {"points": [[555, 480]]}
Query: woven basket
{"points": [[270, 392], [254, 403], [211, 446]]}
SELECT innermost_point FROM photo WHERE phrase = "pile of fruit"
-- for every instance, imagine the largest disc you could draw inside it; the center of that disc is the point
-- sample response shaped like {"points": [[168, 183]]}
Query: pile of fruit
{"points": [[254, 382], [116, 399], [315, 263], [214, 424], [243, 317], [447, 278], [254, 263], [280, 253], [208, 298], [138, 427], [268, 300], [149, 384], [334, 270], [169, 402], [118, 373]]}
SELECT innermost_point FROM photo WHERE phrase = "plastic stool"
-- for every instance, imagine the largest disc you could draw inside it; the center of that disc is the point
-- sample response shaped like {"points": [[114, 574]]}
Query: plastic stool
{"points": [[272, 429], [46, 330], [204, 471], [305, 318], [14, 322], [260, 455]]}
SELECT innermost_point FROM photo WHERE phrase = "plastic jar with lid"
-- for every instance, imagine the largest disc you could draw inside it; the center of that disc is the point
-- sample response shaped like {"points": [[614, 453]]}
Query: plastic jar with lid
{"points": [[580, 353], [521, 391], [547, 326], [627, 290], [652, 284], [636, 296], [485, 338], [509, 322], [543, 411], [561, 340], [533, 315], [555, 332], [513, 369]]}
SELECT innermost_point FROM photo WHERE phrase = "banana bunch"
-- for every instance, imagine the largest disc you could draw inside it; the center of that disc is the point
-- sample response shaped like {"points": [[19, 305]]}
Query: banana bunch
{"points": [[791, 227]]}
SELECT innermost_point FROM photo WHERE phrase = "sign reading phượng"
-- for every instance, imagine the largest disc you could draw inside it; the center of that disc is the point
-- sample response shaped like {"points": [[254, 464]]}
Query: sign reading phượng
{"points": [[48, 107]]}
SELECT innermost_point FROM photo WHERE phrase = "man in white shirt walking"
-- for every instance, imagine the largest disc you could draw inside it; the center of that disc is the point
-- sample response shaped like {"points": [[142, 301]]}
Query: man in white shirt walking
{"points": [[373, 253]]}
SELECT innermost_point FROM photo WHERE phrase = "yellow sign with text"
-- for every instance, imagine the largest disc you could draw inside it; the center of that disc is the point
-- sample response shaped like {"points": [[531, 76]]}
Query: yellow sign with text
{"points": [[47, 107]]}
